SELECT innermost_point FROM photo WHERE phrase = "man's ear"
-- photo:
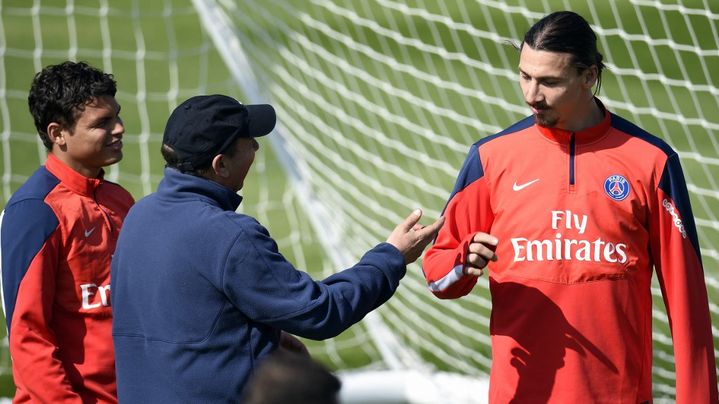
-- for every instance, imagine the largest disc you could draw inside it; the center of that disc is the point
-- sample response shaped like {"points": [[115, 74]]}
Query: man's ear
{"points": [[590, 76], [219, 167], [56, 133]]}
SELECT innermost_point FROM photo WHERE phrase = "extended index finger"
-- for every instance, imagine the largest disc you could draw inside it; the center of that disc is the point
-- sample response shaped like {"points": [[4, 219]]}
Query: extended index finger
{"points": [[431, 230], [411, 220]]}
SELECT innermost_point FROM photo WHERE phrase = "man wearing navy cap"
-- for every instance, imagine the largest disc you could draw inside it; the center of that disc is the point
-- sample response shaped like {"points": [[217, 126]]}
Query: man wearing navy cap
{"points": [[201, 293]]}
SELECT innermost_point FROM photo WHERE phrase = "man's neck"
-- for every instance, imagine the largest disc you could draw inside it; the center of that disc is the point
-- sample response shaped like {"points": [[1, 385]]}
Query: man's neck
{"points": [[592, 115], [76, 166]]}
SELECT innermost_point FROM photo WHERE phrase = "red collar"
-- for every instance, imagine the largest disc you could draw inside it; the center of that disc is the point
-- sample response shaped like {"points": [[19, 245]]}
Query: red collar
{"points": [[72, 179], [584, 136]]}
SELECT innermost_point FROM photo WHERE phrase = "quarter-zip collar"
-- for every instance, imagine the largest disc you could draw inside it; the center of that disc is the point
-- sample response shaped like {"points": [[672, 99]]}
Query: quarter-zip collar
{"points": [[73, 180], [585, 136]]}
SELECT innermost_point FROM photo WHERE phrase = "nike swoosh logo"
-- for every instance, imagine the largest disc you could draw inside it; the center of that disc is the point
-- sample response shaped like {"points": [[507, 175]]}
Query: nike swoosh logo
{"points": [[89, 232], [517, 187]]}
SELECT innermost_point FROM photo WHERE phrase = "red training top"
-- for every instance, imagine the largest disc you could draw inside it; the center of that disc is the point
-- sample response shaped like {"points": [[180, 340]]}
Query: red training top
{"points": [[58, 234], [581, 220]]}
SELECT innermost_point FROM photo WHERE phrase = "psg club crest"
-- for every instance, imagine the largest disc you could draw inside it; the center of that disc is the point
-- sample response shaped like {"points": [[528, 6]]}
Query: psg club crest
{"points": [[617, 187]]}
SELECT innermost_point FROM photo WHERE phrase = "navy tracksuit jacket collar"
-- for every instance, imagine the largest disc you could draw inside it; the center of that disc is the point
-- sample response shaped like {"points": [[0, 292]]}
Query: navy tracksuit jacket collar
{"points": [[176, 186]]}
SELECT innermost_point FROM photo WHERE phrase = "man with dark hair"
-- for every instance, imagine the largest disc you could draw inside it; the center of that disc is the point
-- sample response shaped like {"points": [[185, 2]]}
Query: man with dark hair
{"points": [[289, 377], [58, 232], [201, 293], [571, 208]]}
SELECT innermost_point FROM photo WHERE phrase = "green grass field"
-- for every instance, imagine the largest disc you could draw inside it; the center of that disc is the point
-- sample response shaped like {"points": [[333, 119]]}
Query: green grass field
{"points": [[318, 62]]}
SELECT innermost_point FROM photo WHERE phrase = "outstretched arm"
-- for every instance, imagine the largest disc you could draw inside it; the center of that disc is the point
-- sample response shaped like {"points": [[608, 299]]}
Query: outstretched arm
{"points": [[269, 290]]}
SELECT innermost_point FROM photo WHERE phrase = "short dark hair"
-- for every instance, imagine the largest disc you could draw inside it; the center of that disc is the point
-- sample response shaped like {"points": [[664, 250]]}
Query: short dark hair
{"points": [[289, 377], [59, 92], [172, 160], [567, 32]]}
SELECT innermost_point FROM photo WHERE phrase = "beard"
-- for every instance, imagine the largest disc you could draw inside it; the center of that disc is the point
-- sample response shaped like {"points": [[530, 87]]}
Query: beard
{"points": [[544, 117], [545, 120]]}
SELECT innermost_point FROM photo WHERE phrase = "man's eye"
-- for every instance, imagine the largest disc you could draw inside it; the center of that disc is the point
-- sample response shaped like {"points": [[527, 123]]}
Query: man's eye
{"points": [[103, 123]]}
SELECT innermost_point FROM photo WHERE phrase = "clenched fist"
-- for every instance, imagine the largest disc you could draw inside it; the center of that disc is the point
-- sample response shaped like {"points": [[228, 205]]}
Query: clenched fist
{"points": [[479, 252]]}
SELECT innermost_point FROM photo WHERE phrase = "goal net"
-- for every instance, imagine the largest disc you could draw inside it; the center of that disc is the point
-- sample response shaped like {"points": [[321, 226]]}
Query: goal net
{"points": [[378, 102]]}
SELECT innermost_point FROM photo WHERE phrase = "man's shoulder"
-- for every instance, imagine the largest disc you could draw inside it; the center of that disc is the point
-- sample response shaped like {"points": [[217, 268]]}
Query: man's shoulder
{"points": [[631, 129], [37, 187], [245, 229], [517, 127], [246, 223], [505, 142], [27, 214]]}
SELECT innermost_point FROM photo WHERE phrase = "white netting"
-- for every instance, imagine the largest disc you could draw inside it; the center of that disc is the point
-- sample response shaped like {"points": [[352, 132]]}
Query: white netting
{"points": [[158, 52], [378, 101]]}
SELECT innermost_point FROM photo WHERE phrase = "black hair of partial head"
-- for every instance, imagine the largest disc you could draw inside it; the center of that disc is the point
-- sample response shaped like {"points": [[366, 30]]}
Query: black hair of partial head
{"points": [[567, 32], [289, 377], [60, 92]]}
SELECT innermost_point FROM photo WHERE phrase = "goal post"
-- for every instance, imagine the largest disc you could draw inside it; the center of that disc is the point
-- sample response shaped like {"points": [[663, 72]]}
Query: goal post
{"points": [[378, 102]]}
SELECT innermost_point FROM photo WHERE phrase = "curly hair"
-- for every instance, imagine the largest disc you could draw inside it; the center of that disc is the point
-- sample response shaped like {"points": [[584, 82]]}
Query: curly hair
{"points": [[60, 92]]}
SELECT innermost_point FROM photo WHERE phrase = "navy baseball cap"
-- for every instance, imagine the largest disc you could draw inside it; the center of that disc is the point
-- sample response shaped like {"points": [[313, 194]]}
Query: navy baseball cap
{"points": [[206, 125]]}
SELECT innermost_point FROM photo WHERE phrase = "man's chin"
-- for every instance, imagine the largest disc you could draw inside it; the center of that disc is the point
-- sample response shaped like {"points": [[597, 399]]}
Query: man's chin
{"points": [[116, 157], [545, 121]]}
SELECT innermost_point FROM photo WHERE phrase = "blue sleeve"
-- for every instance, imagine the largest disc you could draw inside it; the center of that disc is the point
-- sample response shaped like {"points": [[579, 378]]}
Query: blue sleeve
{"points": [[471, 170], [674, 185], [24, 227], [268, 289]]}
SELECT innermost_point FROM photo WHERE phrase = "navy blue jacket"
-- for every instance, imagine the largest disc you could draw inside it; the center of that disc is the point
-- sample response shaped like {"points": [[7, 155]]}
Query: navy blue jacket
{"points": [[200, 294]]}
